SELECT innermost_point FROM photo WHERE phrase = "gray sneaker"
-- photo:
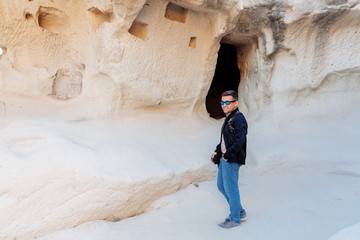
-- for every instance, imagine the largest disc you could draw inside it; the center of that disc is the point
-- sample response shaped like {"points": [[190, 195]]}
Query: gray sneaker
{"points": [[243, 218], [228, 223]]}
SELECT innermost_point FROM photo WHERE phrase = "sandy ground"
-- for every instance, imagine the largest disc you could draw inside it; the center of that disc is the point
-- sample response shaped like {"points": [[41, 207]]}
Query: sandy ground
{"points": [[312, 203], [301, 180]]}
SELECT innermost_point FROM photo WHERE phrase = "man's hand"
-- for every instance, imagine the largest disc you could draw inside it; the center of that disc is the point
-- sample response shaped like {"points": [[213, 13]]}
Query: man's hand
{"points": [[212, 156]]}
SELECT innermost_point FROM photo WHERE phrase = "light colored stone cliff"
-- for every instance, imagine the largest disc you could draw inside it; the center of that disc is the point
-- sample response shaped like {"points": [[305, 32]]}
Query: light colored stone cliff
{"points": [[87, 59], [152, 54], [158, 55]]}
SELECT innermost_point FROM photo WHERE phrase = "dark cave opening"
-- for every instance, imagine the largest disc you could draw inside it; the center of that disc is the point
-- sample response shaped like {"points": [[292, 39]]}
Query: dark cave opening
{"points": [[226, 77]]}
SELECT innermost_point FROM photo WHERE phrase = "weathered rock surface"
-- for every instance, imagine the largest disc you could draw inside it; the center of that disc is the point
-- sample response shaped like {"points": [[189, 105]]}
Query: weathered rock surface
{"points": [[297, 59], [161, 55], [57, 174], [67, 84]]}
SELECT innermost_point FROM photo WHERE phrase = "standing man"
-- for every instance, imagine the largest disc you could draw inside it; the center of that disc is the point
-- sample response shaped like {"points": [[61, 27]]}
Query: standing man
{"points": [[230, 154]]}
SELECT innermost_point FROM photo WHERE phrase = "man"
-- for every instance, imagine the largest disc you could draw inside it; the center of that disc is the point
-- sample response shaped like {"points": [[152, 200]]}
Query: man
{"points": [[230, 154]]}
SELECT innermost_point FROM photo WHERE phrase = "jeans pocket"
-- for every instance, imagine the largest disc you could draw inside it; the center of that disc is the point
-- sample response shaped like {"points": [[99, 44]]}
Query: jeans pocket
{"points": [[235, 166]]}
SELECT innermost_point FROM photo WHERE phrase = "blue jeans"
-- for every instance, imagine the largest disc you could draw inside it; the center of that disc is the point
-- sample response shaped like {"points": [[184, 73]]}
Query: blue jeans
{"points": [[227, 183]]}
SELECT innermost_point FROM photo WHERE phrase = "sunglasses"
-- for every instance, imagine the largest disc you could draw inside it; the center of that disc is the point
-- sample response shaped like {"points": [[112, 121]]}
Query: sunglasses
{"points": [[226, 102]]}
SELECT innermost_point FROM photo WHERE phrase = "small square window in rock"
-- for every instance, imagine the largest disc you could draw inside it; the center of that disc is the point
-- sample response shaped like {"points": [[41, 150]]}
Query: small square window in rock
{"points": [[2, 51], [29, 16], [192, 42], [176, 13], [139, 30]]}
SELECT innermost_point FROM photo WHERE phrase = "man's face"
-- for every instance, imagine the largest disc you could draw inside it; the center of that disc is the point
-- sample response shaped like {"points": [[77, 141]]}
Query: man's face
{"points": [[228, 108]]}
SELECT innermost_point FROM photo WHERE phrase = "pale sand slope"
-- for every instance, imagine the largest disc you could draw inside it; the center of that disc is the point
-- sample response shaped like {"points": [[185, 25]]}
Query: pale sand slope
{"points": [[305, 187], [59, 172], [312, 205]]}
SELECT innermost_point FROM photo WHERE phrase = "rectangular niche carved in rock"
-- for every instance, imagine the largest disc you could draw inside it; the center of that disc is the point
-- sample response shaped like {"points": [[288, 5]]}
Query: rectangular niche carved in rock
{"points": [[176, 13], [192, 42], [139, 30]]}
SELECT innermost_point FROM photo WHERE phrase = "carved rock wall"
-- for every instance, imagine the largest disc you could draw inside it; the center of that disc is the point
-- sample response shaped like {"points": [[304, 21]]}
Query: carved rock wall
{"points": [[161, 55], [155, 54], [88, 59]]}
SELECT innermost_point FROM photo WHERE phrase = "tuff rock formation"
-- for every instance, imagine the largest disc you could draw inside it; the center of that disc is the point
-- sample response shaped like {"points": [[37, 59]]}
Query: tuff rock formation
{"points": [[87, 59]]}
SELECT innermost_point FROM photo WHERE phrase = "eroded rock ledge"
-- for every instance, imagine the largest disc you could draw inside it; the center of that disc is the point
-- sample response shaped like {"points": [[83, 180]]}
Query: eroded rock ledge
{"points": [[58, 174], [81, 60]]}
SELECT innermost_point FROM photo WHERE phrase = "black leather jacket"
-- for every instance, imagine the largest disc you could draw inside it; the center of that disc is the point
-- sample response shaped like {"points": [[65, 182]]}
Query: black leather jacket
{"points": [[234, 130]]}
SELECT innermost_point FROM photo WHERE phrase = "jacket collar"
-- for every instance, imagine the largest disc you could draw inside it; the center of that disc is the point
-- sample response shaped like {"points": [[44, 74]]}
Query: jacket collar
{"points": [[232, 113]]}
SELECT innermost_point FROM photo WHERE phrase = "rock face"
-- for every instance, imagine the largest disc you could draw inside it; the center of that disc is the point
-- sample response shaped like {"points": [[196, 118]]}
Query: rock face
{"points": [[67, 84], [160, 55], [108, 59]]}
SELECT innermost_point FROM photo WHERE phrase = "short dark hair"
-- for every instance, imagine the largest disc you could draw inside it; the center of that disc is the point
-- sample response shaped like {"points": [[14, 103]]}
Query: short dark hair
{"points": [[230, 93]]}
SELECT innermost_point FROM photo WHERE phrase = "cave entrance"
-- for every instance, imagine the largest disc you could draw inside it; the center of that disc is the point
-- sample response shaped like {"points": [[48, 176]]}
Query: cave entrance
{"points": [[226, 77]]}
